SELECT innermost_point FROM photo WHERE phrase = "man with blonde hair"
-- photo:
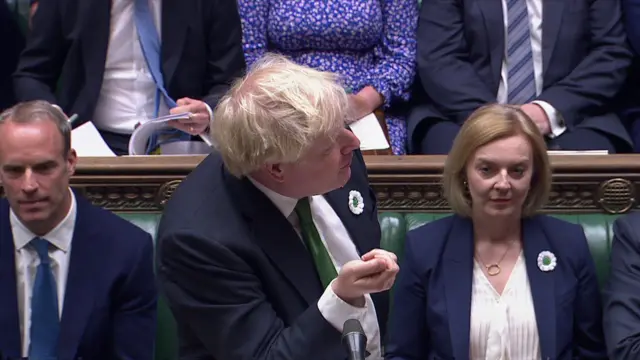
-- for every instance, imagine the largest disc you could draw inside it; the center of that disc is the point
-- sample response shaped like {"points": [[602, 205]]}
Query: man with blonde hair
{"points": [[271, 243]]}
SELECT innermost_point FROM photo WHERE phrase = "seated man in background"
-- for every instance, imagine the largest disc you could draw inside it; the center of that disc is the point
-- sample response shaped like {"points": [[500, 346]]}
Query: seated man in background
{"points": [[121, 62], [81, 277], [271, 243], [622, 293], [562, 62]]}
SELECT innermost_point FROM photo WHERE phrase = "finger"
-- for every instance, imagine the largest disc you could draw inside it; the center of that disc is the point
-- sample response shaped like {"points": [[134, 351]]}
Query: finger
{"points": [[184, 101], [379, 252], [179, 109], [359, 269]]}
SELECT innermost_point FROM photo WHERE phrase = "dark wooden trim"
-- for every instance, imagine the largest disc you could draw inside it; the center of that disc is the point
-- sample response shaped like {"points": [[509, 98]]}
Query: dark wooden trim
{"points": [[581, 184]]}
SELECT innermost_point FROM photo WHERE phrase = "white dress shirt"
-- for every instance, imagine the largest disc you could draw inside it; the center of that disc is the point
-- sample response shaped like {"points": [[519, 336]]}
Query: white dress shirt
{"points": [[503, 326], [128, 92], [341, 249], [27, 261], [534, 8]]}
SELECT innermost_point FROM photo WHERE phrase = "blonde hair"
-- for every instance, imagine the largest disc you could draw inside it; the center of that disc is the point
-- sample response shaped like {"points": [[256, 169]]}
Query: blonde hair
{"points": [[487, 124], [275, 113]]}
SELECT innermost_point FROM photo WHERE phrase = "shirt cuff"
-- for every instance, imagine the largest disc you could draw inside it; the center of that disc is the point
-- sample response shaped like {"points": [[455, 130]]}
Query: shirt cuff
{"points": [[556, 122], [209, 111], [336, 311]]}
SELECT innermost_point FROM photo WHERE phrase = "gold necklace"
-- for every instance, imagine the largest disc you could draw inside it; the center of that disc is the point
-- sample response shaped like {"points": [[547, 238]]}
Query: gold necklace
{"points": [[494, 269]]}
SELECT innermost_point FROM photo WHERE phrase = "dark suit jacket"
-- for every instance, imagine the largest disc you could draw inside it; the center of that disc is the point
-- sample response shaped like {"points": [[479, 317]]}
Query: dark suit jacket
{"points": [[622, 293], [239, 280], [431, 313], [109, 309], [461, 45], [201, 52], [12, 45]]}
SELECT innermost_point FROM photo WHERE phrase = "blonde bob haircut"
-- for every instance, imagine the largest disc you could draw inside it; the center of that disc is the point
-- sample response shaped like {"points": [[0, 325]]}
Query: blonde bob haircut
{"points": [[487, 124], [275, 113]]}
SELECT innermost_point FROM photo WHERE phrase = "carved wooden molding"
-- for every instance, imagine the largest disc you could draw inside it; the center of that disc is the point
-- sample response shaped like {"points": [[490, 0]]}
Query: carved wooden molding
{"points": [[581, 184]]}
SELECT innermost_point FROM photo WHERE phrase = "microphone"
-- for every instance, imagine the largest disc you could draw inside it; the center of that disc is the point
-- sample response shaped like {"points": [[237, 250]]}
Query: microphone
{"points": [[354, 339]]}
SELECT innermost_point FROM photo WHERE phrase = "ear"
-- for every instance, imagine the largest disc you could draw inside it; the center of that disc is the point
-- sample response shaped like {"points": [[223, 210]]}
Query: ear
{"points": [[72, 161], [276, 172]]}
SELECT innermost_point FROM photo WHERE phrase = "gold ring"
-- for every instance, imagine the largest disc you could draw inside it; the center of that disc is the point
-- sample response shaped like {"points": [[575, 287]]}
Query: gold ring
{"points": [[191, 128]]}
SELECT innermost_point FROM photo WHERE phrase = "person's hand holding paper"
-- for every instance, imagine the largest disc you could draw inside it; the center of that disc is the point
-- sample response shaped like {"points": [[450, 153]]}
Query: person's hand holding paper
{"points": [[198, 122]]}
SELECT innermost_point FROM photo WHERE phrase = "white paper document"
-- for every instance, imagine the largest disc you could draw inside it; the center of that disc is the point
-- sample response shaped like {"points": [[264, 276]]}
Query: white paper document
{"points": [[370, 133], [577, 152], [87, 141], [142, 133]]}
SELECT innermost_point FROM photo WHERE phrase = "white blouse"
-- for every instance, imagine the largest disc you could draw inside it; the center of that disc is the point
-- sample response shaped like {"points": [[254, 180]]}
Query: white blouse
{"points": [[503, 327]]}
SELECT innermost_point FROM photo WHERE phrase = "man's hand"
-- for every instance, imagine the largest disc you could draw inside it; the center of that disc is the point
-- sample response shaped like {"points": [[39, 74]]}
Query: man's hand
{"points": [[376, 272], [364, 103], [539, 117], [199, 120]]}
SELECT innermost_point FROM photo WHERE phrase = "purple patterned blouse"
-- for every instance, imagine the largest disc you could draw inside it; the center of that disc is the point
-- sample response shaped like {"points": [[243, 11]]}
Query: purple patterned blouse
{"points": [[367, 42]]}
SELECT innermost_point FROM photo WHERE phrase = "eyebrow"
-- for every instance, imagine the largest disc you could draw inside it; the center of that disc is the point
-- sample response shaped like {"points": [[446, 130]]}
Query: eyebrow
{"points": [[522, 161]]}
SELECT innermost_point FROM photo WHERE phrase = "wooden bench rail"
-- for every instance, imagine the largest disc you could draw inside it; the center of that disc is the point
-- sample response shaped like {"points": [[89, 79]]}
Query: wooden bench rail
{"points": [[581, 184]]}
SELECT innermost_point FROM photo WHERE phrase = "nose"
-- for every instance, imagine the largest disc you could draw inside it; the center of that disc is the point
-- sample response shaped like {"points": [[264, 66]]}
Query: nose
{"points": [[29, 183], [351, 142], [502, 182]]}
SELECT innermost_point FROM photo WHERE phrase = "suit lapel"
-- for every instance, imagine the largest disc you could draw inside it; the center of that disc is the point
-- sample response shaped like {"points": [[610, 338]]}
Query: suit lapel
{"points": [[552, 11], [277, 238], [494, 28], [359, 231], [542, 286], [175, 23], [95, 29], [10, 341], [458, 273], [83, 266]]}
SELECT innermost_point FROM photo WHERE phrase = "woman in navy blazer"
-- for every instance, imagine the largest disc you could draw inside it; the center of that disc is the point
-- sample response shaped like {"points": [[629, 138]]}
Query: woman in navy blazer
{"points": [[496, 281]]}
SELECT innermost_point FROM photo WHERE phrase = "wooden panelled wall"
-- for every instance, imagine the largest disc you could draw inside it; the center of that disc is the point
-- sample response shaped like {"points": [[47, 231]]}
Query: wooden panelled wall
{"points": [[581, 184]]}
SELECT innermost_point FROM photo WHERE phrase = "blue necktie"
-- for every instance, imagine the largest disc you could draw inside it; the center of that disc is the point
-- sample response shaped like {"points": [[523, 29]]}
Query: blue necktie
{"points": [[45, 322], [520, 80], [150, 43]]}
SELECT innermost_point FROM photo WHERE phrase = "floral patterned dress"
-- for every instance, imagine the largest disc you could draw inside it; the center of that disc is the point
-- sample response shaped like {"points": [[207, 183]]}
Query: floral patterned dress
{"points": [[367, 42]]}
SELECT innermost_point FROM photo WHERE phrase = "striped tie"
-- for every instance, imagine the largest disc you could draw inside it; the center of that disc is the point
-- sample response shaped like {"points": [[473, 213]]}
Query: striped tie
{"points": [[520, 81]]}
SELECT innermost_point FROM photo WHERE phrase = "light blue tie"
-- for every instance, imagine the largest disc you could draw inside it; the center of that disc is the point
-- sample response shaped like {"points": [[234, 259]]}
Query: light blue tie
{"points": [[520, 80], [45, 322], [150, 43]]}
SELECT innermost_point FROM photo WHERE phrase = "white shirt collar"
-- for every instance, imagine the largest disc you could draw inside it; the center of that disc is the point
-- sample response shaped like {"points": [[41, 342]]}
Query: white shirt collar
{"points": [[60, 236], [285, 204]]}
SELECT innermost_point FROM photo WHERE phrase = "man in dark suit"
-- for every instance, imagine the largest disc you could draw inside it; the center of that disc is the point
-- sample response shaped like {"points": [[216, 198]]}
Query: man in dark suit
{"points": [[562, 61], [270, 244], [12, 44], [76, 281], [121, 62], [622, 292]]}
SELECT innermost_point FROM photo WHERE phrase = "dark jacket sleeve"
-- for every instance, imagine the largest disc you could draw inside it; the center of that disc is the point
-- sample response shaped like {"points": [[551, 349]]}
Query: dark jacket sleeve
{"points": [[597, 79], [622, 293], [447, 76], [42, 60], [225, 60], [220, 296], [134, 326]]}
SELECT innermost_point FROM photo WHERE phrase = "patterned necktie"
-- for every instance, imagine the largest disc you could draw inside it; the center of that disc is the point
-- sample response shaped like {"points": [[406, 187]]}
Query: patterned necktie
{"points": [[324, 265], [45, 322], [520, 80]]}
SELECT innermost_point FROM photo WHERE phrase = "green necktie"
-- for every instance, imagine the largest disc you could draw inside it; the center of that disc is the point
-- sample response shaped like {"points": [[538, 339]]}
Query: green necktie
{"points": [[324, 265]]}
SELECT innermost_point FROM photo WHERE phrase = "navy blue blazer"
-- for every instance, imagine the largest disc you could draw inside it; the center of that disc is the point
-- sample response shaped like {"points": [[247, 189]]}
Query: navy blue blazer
{"points": [[461, 45], [431, 312], [109, 309]]}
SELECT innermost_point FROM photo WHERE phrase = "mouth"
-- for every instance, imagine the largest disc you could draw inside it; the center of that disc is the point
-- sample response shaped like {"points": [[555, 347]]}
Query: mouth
{"points": [[31, 202], [501, 201]]}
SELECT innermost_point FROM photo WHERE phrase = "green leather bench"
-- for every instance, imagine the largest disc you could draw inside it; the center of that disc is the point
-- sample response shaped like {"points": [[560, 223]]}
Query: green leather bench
{"points": [[597, 227]]}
